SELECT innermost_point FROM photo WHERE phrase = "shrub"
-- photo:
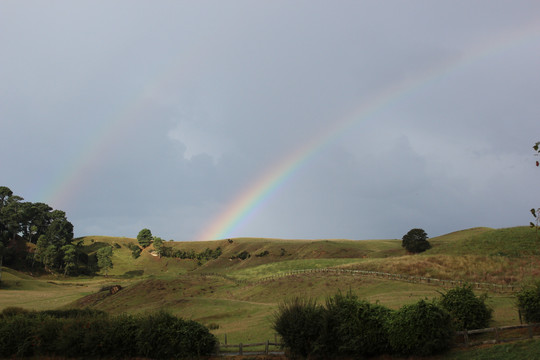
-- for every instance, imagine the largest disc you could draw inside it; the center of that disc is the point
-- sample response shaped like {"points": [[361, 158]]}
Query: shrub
{"points": [[420, 329], [164, 336], [528, 303], [135, 250], [12, 311], [298, 322], [468, 310], [16, 336], [242, 256], [88, 336], [353, 327], [74, 313]]}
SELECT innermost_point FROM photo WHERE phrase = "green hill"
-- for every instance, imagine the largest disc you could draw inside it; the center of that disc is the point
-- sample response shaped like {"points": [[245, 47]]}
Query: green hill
{"points": [[238, 297]]}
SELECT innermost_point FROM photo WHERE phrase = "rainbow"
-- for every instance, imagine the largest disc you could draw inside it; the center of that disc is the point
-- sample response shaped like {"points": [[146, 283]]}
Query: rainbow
{"points": [[72, 178], [62, 189], [255, 196]]}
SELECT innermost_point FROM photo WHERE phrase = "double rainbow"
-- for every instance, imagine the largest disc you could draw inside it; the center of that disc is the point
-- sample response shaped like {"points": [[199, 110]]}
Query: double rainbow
{"points": [[71, 179]]}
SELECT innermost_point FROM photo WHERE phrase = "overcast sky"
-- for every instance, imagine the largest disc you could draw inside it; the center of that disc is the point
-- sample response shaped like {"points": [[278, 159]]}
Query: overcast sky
{"points": [[161, 114]]}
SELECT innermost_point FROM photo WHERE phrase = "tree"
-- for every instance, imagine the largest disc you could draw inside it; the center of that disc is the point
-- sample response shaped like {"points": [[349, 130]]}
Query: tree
{"points": [[104, 256], [144, 237], [70, 258], [528, 303], [468, 310], [158, 245], [536, 212], [415, 241], [420, 329], [2, 248]]}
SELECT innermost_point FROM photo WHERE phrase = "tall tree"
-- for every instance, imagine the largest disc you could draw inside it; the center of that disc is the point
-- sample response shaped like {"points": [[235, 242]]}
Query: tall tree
{"points": [[2, 248], [144, 237], [158, 245], [104, 258], [69, 258], [415, 241], [536, 212]]}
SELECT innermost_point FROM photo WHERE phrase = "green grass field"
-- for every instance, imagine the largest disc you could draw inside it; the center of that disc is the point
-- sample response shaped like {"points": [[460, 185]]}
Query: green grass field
{"points": [[230, 294]]}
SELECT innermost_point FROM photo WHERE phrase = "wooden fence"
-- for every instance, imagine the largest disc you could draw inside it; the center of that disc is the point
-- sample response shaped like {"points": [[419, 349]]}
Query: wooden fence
{"points": [[242, 348], [468, 338], [498, 334], [399, 277]]}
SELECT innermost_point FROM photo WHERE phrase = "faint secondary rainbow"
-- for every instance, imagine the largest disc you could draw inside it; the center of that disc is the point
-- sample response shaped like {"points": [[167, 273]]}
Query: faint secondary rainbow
{"points": [[249, 201], [71, 179]]}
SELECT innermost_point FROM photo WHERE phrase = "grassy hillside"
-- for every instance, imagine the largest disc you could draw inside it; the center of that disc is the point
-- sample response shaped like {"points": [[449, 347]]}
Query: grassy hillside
{"points": [[231, 294]]}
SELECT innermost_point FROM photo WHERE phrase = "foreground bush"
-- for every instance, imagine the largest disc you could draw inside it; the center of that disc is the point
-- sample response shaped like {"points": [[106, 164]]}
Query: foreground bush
{"points": [[420, 329], [353, 327], [468, 310], [298, 322], [157, 336], [528, 302]]}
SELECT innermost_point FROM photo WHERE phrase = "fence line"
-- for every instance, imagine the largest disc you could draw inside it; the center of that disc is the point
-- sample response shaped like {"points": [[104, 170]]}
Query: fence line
{"points": [[497, 339], [241, 347], [399, 277], [497, 334]]}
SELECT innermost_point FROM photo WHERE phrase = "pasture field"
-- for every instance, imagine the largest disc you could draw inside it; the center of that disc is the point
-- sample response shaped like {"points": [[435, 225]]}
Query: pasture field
{"points": [[237, 298]]}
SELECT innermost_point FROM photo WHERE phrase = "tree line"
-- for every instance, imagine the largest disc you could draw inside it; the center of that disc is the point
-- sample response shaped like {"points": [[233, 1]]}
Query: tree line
{"points": [[48, 233]]}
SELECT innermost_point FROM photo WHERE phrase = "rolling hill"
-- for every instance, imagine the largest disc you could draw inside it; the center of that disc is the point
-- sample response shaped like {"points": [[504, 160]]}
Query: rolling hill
{"points": [[237, 297]]}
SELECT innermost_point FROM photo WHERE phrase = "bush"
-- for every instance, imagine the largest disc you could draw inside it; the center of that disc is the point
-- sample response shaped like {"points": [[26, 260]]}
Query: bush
{"points": [[468, 310], [354, 327], [88, 336], [298, 322], [420, 329], [16, 336], [12, 311], [242, 256], [74, 313], [528, 303]]}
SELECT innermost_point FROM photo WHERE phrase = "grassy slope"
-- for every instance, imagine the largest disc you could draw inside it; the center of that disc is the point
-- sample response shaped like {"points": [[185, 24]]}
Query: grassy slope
{"points": [[243, 309]]}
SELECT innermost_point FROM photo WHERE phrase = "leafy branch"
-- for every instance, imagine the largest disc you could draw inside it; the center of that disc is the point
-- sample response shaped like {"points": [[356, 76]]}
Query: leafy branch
{"points": [[536, 212]]}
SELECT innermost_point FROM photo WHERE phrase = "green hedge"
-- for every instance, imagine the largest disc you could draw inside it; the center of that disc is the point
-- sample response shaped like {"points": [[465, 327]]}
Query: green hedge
{"points": [[298, 322], [158, 336], [349, 327], [528, 303], [468, 310], [353, 327], [420, 329]]}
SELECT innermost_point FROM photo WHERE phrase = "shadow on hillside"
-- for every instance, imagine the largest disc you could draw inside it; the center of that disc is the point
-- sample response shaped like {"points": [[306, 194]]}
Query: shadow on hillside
{"points": [[95, 246], [133, 273]]}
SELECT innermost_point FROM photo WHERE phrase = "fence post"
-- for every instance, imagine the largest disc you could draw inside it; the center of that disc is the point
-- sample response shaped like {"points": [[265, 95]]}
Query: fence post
{"points": [[497, 336], [530, 331], [466, 338], [225, 339], [240, 349], [266, 347]]}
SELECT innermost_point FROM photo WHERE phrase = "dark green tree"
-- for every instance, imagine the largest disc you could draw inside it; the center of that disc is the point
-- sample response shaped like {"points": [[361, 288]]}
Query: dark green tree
{"points": [[468, 310], [536, 212], [69, 258], [144, 237], [528, 303], [420, 329], [415, 241], [104, 258], [158, 245], [2, 249]]}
